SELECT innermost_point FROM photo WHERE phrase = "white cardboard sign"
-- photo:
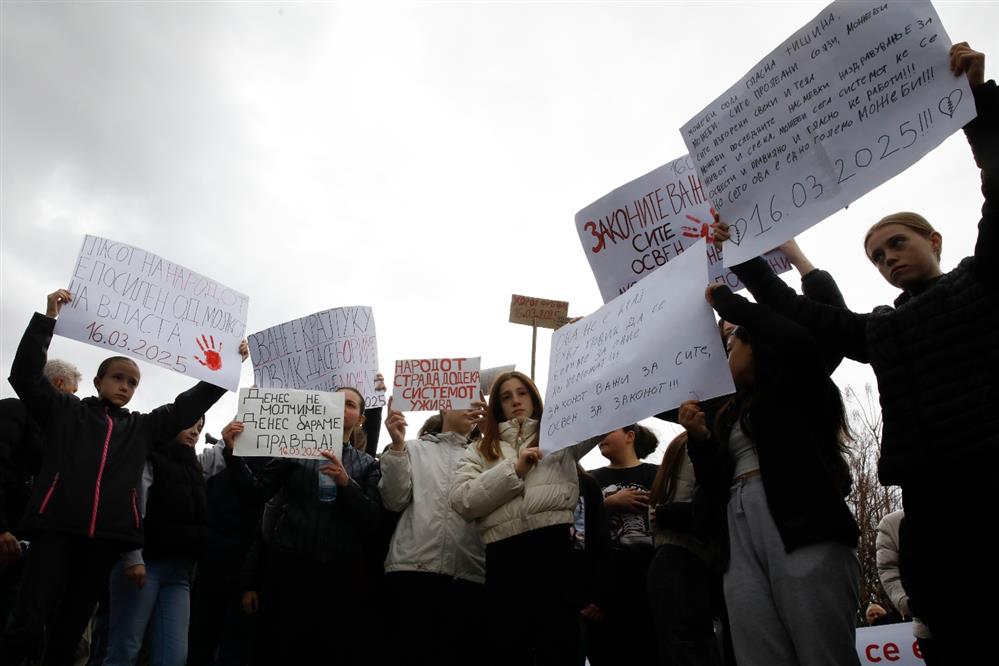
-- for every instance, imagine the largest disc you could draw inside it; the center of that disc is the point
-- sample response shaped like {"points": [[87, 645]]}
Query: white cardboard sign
{"points": [[642, 225], [856, 96], [324, 351], [642, 353], [134, 303], [435, 384], [288, 423]]}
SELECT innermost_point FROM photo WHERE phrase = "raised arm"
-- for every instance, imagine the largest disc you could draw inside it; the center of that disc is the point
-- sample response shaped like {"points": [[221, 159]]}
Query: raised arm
{"points": [[36, 392]]}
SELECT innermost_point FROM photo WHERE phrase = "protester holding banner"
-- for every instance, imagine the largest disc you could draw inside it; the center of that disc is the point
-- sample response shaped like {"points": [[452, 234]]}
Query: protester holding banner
{"points": [[681, 579], [627, 632], [523, 503], [937, 397], [791, 582], [81, 513], [436, 566], [317, 550]]}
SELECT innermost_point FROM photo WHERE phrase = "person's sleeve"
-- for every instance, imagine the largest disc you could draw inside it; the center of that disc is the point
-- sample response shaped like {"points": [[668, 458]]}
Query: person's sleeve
{"points": [[261, 486], [40, 398], [888, 569], [580, 449], [362, 498], [983, 137], [396, 485], [840, 331], [188, 407], [212, 460], [131, 558], [477, 492], [675, 516]]}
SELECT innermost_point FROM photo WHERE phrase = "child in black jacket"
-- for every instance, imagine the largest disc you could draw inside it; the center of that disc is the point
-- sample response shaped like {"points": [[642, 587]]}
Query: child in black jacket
{"points": [[82, 511]]}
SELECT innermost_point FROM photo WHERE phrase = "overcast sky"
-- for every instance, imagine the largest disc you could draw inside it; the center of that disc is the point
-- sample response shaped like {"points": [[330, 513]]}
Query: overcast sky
{"points": [[425, 159]]}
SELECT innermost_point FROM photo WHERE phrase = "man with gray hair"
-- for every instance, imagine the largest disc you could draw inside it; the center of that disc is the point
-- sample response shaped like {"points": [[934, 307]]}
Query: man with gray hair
{"points": [[20, 457], [63, 375]]}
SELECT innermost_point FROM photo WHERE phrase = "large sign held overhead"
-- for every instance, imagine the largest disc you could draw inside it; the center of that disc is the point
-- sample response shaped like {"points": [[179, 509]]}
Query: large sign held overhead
{"points": [[324, 351], [644, 224], [642, 353], [538, 311], [135, 303], [857, 95]]}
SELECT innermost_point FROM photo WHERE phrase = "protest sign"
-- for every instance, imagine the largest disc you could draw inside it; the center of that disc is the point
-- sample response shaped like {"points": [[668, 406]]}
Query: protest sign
{"points": [[538, 311], [489, 375], [324, 351], [434, 384], [288, 423], [643, 224], [135, 303], [642, 353], [853, 98], [891, 643]]}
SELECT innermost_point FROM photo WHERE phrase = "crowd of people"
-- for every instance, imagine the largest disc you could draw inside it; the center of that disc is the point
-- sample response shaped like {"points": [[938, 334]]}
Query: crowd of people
{"points": [[119, 544]]}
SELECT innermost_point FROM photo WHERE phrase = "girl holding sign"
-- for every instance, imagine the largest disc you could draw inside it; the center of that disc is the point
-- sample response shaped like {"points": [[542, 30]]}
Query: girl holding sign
{"points": [[436, 565], [523, 503], [82, 513], [935, 357], [317, 550], [774, 457]]}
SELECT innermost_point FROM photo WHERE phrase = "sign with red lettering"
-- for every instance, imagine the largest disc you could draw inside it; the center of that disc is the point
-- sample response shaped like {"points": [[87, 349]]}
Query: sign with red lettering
{"points": [[538, 311], [643, 224], [134, 303], [889, 645], [435, 384], [288, 423], [325, 351], [856, 96]]}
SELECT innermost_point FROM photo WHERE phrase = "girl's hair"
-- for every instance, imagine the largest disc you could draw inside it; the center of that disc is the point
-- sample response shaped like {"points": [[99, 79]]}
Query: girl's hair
{"points": [[490, 444], [358, 438], [106, 363], [913, 221], [645, 440], [664, 486], [763, 405], [435, 425]]}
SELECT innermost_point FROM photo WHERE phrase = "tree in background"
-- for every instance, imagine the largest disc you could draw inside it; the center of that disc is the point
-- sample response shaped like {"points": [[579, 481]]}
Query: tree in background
{"points": [[869, 500]]}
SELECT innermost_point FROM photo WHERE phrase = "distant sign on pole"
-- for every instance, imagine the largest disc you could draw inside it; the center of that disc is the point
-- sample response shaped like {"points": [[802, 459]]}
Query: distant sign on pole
{"points": [[288, 423], [538, 311], [132, 302], [435, 384]]}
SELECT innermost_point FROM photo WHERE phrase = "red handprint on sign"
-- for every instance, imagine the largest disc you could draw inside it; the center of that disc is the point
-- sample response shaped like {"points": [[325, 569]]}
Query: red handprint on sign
{"points": [[213, 359], [703, 230]]}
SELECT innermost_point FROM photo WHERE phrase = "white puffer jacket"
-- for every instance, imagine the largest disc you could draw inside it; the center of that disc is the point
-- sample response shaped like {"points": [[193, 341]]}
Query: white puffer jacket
{"points": [[430, 536], [503, 504]]}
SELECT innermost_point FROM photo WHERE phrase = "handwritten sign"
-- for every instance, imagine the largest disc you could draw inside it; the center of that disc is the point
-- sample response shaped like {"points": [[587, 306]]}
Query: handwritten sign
{"points": [[853, 98], [324, 351], [643, 224], [890, 643], [134, 303], [489, 375], [538, 311], [642, 353], [289, 423], [435, 384]]}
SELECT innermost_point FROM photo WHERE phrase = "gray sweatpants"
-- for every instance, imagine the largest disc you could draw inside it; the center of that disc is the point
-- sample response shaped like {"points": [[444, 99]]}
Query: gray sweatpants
{"points": [[786, 608]]}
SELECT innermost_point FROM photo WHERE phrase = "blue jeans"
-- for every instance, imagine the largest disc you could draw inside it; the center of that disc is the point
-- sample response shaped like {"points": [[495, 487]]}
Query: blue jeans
{"points": [[163, 603]]}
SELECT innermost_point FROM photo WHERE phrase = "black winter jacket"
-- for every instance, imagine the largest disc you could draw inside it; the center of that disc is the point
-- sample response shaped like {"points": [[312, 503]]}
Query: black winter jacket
{"points": [[176, 511], [20, 458], [94, 453], [935, 354], [340, 531], [803, 483]]}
